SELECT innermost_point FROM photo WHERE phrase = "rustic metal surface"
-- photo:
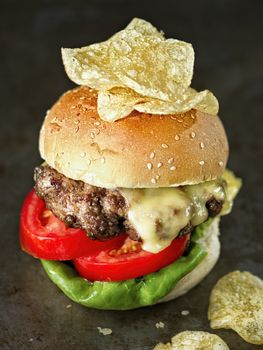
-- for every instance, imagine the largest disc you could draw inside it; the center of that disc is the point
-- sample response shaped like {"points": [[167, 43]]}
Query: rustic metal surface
{"points": [[227, 36]]}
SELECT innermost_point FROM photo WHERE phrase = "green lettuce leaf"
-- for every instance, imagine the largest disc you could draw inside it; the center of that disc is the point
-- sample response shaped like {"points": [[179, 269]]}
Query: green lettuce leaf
{"points": [[124, 295]]}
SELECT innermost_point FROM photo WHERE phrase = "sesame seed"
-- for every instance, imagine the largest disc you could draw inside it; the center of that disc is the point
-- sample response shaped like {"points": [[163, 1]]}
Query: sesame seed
{"points": [[174, 118], [177, 137], [170, 160], [83, 154], [73, 107], [201, 162], [153, 181], [192, 116], [88, 161], [159, 165], [221, 163], [102, 160], [77, 129], [82, 97], [202, 145], [92, 135], [54, 120], [157, 177], [179, 120], [97, 123], [164, 145], [149, 166], [192, 135], [152, 155], [173, 168]]}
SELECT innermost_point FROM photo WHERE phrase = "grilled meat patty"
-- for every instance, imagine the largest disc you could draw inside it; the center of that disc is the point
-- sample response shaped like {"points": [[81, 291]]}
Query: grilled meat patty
{"points": [[101, 212]]}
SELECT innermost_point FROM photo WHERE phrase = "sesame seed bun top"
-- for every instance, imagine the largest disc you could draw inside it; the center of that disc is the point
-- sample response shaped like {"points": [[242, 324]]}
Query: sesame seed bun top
{"points": [[142, 150]]}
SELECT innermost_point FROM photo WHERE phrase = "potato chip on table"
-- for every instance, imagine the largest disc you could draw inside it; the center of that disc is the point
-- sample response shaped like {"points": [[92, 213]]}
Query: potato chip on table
{"points": [[194, 340], [236, 302]]}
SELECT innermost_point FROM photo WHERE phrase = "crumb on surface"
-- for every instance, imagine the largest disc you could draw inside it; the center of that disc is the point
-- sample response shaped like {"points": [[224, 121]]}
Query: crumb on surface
{"points": [[104, 331], [185, 312], [159, 325]]}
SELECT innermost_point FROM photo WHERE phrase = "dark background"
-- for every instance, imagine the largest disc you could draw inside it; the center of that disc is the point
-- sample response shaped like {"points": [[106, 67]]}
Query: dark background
{"points": [[227, 37]]}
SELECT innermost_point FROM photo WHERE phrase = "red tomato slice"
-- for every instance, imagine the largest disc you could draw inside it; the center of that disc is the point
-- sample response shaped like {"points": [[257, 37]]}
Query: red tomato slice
{"points": [[128, 261], [46, 237]]}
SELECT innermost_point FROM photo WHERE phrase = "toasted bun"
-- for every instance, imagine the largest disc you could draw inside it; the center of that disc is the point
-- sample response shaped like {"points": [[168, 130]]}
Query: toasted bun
{"points": [[142, 150], [211, 244]]}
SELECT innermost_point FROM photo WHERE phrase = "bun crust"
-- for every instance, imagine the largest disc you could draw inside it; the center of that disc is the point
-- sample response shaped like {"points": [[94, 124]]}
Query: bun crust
{"points": [[142, 150]]}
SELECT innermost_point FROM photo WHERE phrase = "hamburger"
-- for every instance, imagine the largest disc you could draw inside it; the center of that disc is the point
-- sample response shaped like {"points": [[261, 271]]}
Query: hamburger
{"points": [[126, 206]]}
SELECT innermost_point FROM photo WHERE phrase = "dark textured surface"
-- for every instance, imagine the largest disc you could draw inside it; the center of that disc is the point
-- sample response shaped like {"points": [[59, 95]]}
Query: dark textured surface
{"points": [[227, 36]]}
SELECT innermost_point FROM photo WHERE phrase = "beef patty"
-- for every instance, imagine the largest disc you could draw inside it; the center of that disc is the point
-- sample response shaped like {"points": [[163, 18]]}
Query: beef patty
{"points": [[101, 212]]}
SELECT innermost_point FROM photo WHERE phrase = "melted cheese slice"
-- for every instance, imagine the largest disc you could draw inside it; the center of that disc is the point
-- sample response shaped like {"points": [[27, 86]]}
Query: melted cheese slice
{"points": [[159, 214]]}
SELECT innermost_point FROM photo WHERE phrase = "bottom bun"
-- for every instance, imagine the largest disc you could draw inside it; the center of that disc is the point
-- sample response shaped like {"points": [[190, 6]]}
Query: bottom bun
{"points": [[211, 244]]}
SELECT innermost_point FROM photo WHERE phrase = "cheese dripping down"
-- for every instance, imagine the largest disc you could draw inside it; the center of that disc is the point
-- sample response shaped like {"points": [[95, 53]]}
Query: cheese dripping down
{"points": [[159, 214]]}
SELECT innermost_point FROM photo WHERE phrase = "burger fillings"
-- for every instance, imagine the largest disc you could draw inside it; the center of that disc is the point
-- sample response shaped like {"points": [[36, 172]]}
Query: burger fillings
{"points": [[145, 214], [135, 197]]}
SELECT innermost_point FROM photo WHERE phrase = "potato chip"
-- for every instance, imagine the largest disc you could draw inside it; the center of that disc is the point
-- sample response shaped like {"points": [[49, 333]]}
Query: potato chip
{"points": [[151, 66], [155, 72], [236, 302], [137, 57], [144, 27], [90, 67], [117, 103], [194, 340], [204, 101]]}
